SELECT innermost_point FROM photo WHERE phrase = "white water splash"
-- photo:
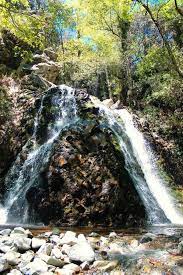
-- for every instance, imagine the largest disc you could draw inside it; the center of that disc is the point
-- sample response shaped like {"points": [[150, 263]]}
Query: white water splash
{"points": [[145, 158], [3, 215], [21, 177], [140, 163]]}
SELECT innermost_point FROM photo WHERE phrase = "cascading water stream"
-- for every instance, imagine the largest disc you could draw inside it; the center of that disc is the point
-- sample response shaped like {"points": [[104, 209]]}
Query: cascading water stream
{"points": [[141, 166], [145, 158], [35, 155], [23, 176]]}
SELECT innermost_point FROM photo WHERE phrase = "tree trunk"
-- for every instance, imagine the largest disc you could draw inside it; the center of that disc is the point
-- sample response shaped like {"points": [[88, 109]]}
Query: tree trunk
{"points": [[165, 41], [179, 10]]}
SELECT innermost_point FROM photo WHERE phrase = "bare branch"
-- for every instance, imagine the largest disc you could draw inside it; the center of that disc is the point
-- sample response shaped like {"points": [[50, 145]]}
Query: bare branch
{"points": [[179, 10]]}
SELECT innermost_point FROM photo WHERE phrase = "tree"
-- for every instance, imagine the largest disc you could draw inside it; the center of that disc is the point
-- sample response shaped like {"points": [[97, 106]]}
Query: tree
{"points": [[178, 9], [109, 20], [160, 29]]}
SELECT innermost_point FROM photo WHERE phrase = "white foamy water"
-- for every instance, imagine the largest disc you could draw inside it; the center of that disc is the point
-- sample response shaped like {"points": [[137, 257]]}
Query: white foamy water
{"points": [[139, 162], [22, 176], [141, 165], [3, 215], [145, 158]]}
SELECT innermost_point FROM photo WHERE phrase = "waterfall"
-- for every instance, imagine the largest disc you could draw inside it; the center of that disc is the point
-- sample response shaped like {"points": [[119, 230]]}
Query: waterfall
{"points": [[140, 163], [34, 158], [23, 176]]}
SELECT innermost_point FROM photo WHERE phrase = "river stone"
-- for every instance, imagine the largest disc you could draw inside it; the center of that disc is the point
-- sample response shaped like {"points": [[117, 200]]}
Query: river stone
{"points": [[65, 249], [94, 234], [113, 235], [27, 256], [56, 252], [19, 230], [119, 248], [5, 232], [7, 244], [105, 266], [55, 262], [6, 248], [3, 265], [46, 249], [180, 247], [36, 267], [14, 272], [47, 273], [134, 243], [66, 260], [81, 252], [46, 234], [63, 271], [56, 231], [55, 239], [37, 243], [23, 243], [81, 238], [12, 257], [6, 240], [84, 266], [43, 257], [69, 238], [72, 267], [148, 237]]}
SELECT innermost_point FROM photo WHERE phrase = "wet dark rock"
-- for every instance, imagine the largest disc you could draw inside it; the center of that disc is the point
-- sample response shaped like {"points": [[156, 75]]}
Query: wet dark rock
{"points": [[148, 237], [180, 247], [85, 181], [17, 115]]}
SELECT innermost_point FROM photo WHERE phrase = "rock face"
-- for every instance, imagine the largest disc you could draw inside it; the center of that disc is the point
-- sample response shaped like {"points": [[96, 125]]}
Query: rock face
{"points": [[49, 70], [85, 182], [17, 111], [18, 96], [9, 56]]}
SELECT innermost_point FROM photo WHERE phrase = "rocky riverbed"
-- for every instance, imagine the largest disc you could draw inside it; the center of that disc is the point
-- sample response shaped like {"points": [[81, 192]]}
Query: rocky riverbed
{"points": [[66, 253]]}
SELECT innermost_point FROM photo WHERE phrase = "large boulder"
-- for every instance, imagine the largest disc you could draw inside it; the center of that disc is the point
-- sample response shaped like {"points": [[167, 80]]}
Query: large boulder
{"points": [[85, 181], [49, 70]]}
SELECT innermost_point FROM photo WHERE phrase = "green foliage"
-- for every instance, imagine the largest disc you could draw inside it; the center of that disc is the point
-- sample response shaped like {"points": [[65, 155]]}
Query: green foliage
{"points": [[115, 38], [38, 28], [16, 17], [167, 92], [156, 60]]}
